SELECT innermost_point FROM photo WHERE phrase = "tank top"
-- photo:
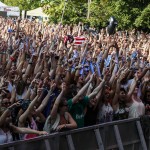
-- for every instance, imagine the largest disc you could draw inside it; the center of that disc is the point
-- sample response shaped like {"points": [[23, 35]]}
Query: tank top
{"points": [[105, 113], [51, 124], [63, 120], [32, 126], [136, 109], [5, 137], [121, 113]]}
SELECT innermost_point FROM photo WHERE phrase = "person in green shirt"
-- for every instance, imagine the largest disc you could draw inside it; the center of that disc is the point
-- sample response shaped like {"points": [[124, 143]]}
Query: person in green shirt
{"points": [[78, 103]]}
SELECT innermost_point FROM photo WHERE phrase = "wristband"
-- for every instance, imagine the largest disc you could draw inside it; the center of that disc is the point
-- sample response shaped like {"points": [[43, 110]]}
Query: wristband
{"points": [[12, 58]]}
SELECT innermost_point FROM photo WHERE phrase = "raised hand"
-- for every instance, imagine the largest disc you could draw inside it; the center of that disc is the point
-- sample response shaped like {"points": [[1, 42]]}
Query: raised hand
{"points": [[52, 86], [14, 105], [33, 83], [63, 86], [39, 91], [45, 82], [122, 76]]}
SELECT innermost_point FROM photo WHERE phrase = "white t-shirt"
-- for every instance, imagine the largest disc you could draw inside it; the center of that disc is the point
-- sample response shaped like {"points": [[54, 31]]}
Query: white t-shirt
{"points": [[136, 109], [5, 137]]}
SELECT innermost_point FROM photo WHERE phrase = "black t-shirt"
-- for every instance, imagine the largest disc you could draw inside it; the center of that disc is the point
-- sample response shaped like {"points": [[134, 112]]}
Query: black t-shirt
{"points": [[90, 116]]}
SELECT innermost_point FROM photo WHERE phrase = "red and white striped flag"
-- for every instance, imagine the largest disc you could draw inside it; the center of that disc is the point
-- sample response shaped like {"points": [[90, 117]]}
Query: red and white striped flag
{"points": [[79, 40]]}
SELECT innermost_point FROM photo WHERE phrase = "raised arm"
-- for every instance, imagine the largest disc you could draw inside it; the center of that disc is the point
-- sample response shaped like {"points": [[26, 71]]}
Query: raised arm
{"points": [[12, 58], [24, 116], [46, 71], [46, 99], [57, 101], [17, 31], [68, 74], [82, 91], [38, 63], [29, 69], [31, 86], [132, 87], [6, 113], [144, 72], [105, 55], [113, 74], [115, 99], [144, 84], [97, 89]]}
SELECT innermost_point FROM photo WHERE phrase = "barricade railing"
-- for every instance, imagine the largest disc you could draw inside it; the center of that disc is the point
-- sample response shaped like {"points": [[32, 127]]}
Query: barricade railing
{"points": [[119, 135]]}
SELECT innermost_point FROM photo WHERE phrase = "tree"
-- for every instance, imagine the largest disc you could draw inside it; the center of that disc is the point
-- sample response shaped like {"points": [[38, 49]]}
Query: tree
{"points": [[129, 13], [75, 11], [125, 11], [23, 4], [143, 20]]}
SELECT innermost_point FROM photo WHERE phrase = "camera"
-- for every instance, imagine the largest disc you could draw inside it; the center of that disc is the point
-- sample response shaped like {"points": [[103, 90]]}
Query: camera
{"points": [[24, 103]]}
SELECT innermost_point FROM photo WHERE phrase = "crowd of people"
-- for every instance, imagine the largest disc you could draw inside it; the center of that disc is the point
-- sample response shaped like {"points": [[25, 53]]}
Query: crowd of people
{"points": [[50, 84]]}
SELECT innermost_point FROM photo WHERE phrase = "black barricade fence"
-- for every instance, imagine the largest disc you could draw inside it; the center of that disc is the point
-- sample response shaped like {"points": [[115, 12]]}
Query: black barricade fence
{"points": [[145, 123], [119, 135]]}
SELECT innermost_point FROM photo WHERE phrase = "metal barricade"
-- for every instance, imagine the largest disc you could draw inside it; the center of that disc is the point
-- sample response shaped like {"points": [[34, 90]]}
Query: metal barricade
{"points": [[119, 135]]}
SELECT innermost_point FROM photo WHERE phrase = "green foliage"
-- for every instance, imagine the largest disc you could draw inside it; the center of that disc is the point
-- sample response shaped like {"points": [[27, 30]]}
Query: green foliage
{"points": [[129, 13], [144, 18], [75, 11], [23, 4]]}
